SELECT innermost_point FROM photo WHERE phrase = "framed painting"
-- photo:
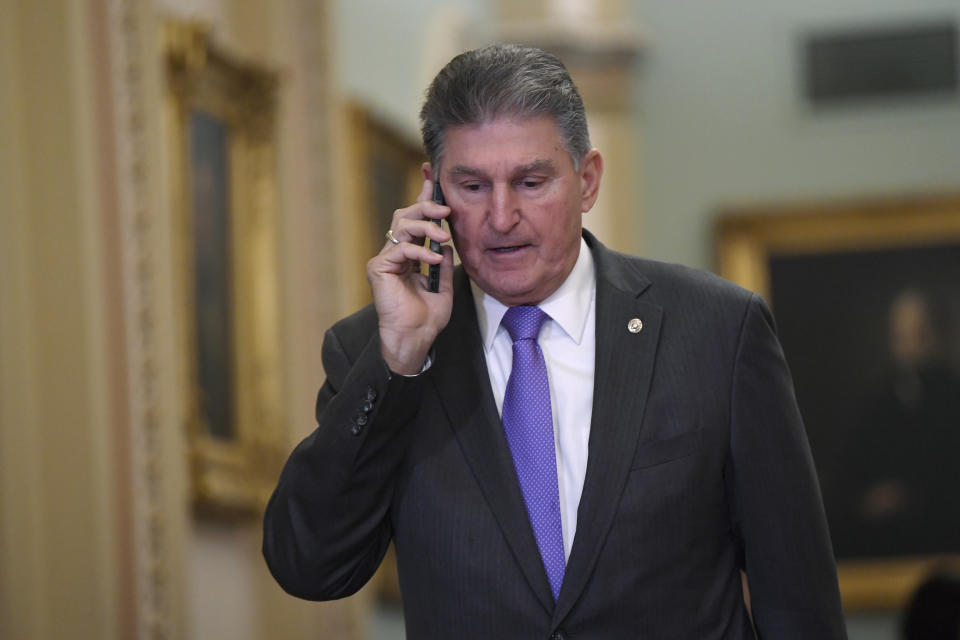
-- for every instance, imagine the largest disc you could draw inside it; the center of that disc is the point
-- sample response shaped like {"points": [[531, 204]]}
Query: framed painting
{"points": [[221, 118], [867, 303]]}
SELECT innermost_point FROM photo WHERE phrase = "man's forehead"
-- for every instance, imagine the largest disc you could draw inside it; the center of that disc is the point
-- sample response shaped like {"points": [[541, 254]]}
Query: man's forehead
{"points": [[513, 144]]}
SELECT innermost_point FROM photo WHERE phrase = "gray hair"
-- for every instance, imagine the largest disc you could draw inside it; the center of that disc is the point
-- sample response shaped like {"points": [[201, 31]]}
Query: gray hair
{"points": [[503, 80]]}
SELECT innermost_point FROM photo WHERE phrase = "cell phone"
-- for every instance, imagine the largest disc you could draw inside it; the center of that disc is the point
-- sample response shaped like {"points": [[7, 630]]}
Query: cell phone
{"points": [[433, 273]]}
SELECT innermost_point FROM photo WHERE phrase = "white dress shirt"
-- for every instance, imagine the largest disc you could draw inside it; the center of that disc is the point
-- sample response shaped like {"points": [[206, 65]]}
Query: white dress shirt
{"points": [[568, 342]]}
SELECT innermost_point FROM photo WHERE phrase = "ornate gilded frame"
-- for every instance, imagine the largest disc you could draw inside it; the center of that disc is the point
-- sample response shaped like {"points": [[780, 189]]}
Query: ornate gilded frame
{"points": [[233, 475], [747, 238]]}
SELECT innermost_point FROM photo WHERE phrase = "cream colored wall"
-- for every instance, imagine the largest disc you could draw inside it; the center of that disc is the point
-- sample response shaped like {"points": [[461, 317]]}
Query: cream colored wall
{"points": [[616, 219], [58, 566], [96, 536]]}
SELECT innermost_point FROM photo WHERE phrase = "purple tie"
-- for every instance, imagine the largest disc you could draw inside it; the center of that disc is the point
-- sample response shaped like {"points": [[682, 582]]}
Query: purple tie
{"points": [[528, 424]]}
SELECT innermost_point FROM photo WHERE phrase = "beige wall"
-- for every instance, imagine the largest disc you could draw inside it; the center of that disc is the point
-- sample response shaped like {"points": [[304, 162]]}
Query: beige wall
{"points": [[58, 536], [97, 539]]}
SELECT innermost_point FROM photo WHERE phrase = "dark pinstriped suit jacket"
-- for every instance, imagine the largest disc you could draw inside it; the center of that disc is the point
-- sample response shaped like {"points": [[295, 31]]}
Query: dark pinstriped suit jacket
{"points": [[698, 467]]}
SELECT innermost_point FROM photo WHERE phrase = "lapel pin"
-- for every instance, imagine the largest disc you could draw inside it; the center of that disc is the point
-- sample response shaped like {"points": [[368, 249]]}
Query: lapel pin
{"points": [[635, 325]]}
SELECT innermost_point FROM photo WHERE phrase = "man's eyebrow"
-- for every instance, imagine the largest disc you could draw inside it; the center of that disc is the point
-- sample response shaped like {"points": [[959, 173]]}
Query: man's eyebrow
{"points": [[530, 167], [460, 170], [536, 166]]}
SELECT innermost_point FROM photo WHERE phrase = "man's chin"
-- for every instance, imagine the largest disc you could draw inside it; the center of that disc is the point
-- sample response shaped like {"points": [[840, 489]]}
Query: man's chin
{"points": [[513, 285], [512, 294]]}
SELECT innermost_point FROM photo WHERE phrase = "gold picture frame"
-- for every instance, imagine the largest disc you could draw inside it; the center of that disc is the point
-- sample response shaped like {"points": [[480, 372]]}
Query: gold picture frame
{"points": [[759, 248], [220, 115]]}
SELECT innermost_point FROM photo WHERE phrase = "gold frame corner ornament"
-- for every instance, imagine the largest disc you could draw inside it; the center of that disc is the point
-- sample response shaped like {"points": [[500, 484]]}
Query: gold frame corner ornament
{"points": [[746, 239], [231, 476]]}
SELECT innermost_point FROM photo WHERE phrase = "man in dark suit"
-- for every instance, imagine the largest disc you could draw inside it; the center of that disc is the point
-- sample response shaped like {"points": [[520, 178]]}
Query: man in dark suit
{"points": [[675, 462]]}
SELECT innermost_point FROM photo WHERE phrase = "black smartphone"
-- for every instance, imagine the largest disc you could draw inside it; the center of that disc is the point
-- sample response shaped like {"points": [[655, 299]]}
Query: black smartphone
{"points": [[433, 273]]}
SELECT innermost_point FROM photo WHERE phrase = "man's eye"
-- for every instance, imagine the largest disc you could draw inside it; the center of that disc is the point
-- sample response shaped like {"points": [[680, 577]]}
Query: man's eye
{"points": [[531, 183]]}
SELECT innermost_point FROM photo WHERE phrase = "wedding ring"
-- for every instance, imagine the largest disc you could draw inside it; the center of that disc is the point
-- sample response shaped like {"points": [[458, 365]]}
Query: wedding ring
{"points": [[391, 238]]}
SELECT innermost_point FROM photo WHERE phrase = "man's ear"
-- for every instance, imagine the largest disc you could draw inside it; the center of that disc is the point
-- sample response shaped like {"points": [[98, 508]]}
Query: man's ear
{"points": [[591, 170], [427, 171]]}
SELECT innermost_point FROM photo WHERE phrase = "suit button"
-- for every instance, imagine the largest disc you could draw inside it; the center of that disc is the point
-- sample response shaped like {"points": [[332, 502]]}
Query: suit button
{"points": [[360, 419], [558, 635], [356, 429], [367, 406], [371, 394]]}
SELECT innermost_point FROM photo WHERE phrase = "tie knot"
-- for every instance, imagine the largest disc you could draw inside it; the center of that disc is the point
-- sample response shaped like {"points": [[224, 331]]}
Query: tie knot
{"points": [[523, 323]]}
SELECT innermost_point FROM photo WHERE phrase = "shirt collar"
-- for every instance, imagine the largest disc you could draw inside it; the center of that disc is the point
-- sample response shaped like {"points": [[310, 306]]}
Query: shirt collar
{"points": [[568, 306]]}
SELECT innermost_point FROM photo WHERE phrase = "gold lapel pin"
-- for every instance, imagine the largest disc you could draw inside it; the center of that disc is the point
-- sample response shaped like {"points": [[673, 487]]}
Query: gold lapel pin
{"points": [[635, 325]]}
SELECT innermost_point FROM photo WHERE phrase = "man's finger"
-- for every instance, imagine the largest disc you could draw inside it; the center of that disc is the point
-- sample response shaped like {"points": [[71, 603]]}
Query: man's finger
{"points": [[409, 230], [421, 210], [404, 253], [446, 270]]}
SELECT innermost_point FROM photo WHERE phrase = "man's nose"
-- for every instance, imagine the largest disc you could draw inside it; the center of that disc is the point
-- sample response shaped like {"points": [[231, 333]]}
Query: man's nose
{"points": [[504, 209]]}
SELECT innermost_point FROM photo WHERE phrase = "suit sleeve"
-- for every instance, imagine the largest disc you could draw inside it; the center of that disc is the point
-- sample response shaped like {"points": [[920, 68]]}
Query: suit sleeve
{"points": [[776, 496], [326, 526]]}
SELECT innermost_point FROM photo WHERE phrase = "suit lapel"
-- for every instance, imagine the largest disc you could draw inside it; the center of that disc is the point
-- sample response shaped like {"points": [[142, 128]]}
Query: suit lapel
{"points": [[624, 367], [460, 375]]}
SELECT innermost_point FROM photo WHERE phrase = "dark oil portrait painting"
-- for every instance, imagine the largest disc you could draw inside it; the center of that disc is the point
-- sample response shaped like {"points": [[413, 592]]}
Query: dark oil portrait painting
{"points": [[209, 161], [873, 340]]}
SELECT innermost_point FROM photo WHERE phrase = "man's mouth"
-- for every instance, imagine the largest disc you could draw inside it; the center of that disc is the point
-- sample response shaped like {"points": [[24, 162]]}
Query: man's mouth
{"points": [[509, 249]]}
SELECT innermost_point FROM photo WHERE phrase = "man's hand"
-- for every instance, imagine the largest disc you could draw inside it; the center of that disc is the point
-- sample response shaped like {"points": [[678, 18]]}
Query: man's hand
{"points": [[410, 314]]}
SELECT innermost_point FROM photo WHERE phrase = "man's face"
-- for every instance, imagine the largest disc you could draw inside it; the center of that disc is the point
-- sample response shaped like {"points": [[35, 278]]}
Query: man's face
{"points": [[516, 205]]}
